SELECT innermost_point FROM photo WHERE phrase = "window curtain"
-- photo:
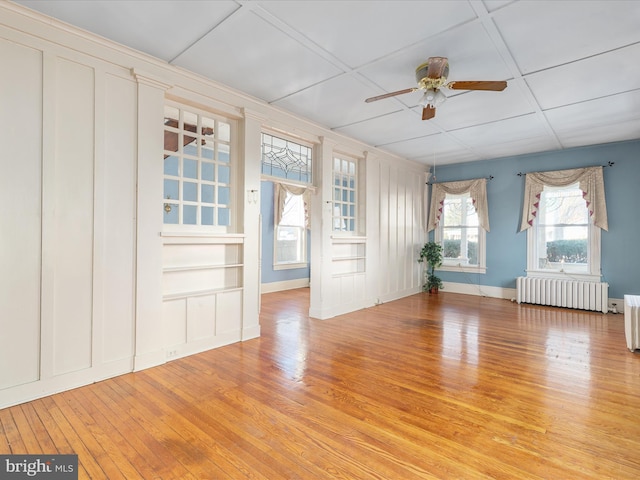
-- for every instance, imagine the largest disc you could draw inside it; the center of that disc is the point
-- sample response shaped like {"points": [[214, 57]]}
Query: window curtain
{"points": [[477, 190], [280, 195], [591, 183]]}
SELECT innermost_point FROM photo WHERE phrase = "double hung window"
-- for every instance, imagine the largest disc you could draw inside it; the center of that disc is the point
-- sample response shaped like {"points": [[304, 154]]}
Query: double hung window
{"points": [[562, 238], [459, 232], [459, 215], [564, 212]]}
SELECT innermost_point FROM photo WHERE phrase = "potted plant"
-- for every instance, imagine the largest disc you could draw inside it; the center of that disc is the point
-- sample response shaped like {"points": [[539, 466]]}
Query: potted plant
{"points": [[431, 253]]}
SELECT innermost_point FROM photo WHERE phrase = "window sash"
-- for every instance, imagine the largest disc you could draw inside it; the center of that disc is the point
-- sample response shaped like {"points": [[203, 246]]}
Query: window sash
{"points": [[198, 174]]}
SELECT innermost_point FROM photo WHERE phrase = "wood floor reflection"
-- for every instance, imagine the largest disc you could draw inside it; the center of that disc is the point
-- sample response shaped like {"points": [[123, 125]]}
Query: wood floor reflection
{"points": [[431, 386]]}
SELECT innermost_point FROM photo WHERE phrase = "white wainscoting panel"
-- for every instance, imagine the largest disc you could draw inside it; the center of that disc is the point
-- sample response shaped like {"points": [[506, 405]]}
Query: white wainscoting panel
{"points": [[71, 192], [20, 221]]}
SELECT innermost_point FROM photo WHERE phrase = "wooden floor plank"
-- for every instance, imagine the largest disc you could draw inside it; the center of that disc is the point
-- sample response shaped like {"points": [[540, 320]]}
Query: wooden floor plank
{"points": [[426, 387]]}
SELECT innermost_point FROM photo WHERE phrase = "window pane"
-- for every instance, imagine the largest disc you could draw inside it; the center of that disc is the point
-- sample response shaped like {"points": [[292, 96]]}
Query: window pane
{"points": [[190, 215], [207, 215], [171, 166], [224, 174], [224, 132], [207, 151], [171, 189], [207, 171], [223, 153], [190, 149], [223, 217], [190, 169], [190, 191], [206, 194], [289, 244], [171, 213], [223, 195]]}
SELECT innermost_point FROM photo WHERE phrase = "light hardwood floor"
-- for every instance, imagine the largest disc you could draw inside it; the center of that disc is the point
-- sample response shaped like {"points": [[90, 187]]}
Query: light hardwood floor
{"points": [[431, 386]]}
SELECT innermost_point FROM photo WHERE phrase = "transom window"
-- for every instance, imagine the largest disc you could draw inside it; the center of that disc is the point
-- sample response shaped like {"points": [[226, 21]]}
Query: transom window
{"points": [[284, 158], [197, 168], [345, 194]]}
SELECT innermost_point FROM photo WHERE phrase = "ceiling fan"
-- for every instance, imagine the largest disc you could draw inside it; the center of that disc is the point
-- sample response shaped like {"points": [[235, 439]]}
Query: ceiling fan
{"points": [[431, 76]]}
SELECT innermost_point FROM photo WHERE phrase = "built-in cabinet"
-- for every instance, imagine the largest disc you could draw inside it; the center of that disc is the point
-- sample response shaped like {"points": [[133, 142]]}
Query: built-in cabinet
{"points": [[201, 292]]}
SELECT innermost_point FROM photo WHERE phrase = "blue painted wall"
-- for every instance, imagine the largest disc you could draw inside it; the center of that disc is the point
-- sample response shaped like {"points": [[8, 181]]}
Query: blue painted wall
{"points": [[507, 248], [270, 275]]}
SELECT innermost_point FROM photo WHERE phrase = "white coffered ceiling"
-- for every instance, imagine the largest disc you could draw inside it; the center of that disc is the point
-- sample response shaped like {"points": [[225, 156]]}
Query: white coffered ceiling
{"points": [[573, 67]]}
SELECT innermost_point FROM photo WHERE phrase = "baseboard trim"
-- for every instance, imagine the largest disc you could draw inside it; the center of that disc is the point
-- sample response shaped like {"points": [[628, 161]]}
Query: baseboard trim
{"points": [[284, 285]]}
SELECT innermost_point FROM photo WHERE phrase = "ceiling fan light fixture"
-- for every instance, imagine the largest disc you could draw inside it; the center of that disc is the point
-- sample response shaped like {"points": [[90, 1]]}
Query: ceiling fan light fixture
{"points": [[432, 98]]}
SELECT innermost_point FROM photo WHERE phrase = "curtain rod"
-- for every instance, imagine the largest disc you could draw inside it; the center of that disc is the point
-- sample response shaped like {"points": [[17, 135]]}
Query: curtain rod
{"points": [[609, 164], [291, 183], [490, 177]]}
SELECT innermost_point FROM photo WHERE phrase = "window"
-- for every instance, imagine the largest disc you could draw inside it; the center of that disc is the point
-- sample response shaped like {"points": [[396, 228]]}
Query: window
{"points": [[197, 169], [286, 159], [460, 234], [562, 239], [291, 234], [345, 183], [459, 214]]}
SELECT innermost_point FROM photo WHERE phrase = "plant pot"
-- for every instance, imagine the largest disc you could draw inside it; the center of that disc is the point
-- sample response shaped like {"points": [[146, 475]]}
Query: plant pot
{"points": [[433, 290]]}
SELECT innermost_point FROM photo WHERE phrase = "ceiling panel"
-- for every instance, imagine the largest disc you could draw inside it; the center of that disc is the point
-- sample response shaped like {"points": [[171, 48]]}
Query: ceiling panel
{"points": [[272, 65], [594, 77], [571, 65], [331, 103], [526, 127], [545, 34], [596, 121], [357, 32], [163, 31], [393, 127]]}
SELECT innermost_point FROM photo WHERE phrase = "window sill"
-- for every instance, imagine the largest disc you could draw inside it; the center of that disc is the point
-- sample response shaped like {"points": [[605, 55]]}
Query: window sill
{"points": [[462, 268], [585, 277], [290, 266]]}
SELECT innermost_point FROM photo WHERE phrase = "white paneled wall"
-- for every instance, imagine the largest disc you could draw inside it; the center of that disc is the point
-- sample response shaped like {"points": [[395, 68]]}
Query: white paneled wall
{"points": [[68, 140], [401, 233]]}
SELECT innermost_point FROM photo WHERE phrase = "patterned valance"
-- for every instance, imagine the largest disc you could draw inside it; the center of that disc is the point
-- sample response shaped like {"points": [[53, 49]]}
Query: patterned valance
{"points": [[591, 183], [477, 190], [280, 195]]}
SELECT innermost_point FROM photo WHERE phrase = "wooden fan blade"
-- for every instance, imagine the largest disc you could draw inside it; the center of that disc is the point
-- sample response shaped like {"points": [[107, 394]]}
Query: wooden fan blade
{"points": [[436, 67], [392, 94], [496, 86], [428, 112]]}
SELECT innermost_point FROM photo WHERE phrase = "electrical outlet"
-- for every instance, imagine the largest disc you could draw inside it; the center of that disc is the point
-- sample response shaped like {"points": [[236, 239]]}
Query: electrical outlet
{"points": [[172, 353]]}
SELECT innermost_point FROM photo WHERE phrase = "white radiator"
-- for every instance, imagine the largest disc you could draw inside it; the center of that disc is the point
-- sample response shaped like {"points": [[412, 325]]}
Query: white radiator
{"points": [[632, 321], [558, 292]]}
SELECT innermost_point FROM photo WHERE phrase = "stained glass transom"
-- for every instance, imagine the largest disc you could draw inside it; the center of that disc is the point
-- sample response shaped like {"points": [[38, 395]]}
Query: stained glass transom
{"points": [[286, 159]]}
